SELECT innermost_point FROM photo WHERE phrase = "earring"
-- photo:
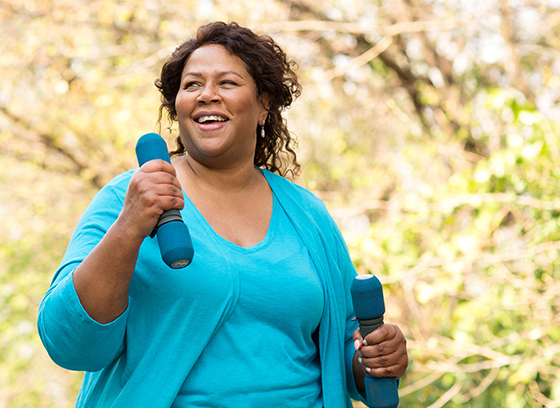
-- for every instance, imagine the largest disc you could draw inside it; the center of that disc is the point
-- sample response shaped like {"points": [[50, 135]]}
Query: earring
{"points": [[262, 128]]}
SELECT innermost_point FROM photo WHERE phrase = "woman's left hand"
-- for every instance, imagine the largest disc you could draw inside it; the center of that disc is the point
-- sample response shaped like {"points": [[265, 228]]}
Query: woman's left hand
{"points": [[383, 351]]}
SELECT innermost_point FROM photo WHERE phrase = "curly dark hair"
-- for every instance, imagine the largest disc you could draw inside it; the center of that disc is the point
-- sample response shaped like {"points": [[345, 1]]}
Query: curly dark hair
{"points": [[273, 74]]}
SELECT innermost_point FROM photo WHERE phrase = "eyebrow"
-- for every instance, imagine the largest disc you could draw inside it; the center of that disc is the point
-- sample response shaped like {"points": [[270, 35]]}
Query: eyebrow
{"points": [[219, 74]]}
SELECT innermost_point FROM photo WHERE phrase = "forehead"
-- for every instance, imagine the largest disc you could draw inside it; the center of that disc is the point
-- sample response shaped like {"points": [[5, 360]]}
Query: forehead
{"points": [[214, 58]]}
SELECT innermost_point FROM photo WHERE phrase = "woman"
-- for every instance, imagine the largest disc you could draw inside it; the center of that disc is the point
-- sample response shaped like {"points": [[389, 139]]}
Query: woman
{"points": [[262, 315]]}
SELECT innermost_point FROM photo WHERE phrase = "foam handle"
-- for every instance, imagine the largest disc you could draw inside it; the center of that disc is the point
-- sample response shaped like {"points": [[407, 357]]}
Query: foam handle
{"points": [[172, 234], [369, 308]]}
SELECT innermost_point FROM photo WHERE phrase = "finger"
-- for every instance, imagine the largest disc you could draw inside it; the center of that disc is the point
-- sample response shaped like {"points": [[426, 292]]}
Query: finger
{"points": [[155, 173], [381, 350], [396, 369], [156, 177], [163, 197], [383, 333], [158, 165], [384, 360], [385, 349], [151, 192], [384, 340], [163, 188]]}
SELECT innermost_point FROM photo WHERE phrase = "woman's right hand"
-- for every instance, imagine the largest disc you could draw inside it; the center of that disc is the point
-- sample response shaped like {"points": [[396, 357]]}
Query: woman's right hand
{"points": [[153, 189]]}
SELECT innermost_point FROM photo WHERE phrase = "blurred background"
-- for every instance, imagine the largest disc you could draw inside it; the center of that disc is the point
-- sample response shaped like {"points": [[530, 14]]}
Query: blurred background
{"points": [[429, 127]]}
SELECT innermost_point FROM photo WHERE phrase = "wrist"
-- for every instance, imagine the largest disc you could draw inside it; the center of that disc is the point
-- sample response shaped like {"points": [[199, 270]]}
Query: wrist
{"points": [[127, 232]]}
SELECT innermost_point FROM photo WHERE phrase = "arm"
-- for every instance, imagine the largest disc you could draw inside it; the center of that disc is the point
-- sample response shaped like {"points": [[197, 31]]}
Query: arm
{"points": [[383, 353], [103, 278], [82, 318]]}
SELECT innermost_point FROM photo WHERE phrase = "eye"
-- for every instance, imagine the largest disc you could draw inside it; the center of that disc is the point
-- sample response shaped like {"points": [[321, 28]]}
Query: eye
{"points": [[191, 85], [228, 82]]}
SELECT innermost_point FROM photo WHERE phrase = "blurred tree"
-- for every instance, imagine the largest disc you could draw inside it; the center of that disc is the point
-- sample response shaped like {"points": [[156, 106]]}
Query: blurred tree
{"points": [[441, 163], [429, 127]]}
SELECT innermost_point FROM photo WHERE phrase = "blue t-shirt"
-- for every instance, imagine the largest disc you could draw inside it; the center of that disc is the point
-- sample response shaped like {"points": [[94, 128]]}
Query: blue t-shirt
{"points": [[279, 307]]}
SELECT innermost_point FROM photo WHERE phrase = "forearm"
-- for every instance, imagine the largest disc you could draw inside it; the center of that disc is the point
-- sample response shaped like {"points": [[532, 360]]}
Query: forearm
{"points": [[102, 280]]}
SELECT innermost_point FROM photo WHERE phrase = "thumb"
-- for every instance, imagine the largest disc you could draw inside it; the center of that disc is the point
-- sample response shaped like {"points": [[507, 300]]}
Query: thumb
{"points": [[358, 339]]}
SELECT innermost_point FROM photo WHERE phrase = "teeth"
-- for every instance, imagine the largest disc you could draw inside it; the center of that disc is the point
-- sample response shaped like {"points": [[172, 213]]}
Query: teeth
{"points": [[214, 118]]}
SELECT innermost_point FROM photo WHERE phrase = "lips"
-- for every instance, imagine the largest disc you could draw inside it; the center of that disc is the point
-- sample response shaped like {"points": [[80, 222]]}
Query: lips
{"points": [[210, 120], [208, 117]]}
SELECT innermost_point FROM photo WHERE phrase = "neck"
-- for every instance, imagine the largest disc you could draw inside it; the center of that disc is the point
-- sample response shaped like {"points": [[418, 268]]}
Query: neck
{"points": [[211, 179]]}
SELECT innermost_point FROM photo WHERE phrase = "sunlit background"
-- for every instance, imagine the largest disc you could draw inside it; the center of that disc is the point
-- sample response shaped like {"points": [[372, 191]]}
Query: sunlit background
{"points": [[430, 129]]}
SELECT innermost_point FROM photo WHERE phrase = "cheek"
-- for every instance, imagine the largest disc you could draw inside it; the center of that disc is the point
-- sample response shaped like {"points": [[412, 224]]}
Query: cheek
{"points": [[178, 110], [181, 105], [251, 108]]}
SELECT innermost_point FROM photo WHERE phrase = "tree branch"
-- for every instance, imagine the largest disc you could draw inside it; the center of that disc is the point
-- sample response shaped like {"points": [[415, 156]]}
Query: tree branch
{"points": [[362, 59], [447, 396], [484, 384], [474, 200], [540, 397], [49, 141], [467, 260], [354, 28]]}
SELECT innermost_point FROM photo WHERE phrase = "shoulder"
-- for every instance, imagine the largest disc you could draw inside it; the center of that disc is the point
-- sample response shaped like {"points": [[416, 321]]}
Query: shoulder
{"points": [[115, 189], [301, 204], [120, 182], [108, 201], [282, 186]]}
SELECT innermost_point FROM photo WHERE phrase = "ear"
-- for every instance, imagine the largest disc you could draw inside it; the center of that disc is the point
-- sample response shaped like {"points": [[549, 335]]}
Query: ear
{"points": [[265, 106]]}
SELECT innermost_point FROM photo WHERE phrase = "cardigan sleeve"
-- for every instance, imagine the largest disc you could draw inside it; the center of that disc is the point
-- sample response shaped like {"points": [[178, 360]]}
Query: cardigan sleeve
{"points": [[348, 270], [71, 337]]}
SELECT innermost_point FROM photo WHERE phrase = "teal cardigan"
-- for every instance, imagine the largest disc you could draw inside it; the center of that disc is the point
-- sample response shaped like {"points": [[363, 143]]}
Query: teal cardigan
{"points": [[143, 357]]}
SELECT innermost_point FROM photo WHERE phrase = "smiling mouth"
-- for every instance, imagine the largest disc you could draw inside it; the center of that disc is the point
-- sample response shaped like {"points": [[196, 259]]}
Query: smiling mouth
{"points": [[210, 119]]}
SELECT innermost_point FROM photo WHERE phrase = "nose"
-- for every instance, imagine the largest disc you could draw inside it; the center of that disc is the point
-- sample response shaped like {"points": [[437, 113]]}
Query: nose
{"points": [[208, 94]]}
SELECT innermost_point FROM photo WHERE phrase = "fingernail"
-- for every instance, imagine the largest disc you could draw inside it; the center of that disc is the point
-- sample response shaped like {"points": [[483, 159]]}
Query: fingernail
{"points": [[357, 344], [365, 342], [368, 370]]}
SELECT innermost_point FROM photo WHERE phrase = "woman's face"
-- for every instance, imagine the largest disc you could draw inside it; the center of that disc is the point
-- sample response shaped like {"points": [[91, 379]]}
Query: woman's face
{"points": [[217, 108]]}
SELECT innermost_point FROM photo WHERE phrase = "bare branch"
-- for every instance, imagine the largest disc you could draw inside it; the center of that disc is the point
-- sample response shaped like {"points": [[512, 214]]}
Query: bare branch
{"points": [[488, 380], [392, 30], [474, 200], [49, 141], [473, 368], [466, 260], [540, 397], [513, 65], [446, 397], [362, 59], [418, 385]]}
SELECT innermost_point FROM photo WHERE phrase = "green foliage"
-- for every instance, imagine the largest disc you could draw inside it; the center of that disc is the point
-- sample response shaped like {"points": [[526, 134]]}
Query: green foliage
{"points": [[437, 155]]}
